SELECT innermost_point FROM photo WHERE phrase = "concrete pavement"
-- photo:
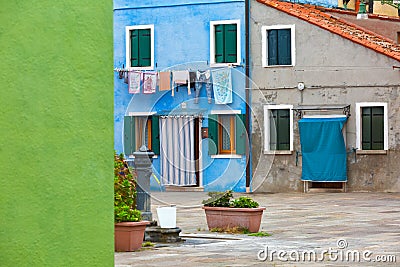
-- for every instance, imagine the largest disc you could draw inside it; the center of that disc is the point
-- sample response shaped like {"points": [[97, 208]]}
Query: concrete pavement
{"points": [[313, 229]]}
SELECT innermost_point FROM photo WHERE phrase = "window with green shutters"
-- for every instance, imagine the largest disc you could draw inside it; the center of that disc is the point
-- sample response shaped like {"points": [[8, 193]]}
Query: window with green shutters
{"points": [[226, 43], [278, 132], [278, 45], [139, 129], [140, 48], [372, 123], [279, 129], [139, 40], [227, 134]]}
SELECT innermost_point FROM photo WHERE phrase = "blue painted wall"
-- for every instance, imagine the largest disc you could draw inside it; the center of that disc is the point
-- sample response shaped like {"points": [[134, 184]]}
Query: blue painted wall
{"points": [[181, 41]]}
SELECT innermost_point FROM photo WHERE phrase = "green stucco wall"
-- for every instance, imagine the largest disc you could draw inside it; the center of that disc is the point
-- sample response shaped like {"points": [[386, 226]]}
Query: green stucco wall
{"points": [[56, 127]]}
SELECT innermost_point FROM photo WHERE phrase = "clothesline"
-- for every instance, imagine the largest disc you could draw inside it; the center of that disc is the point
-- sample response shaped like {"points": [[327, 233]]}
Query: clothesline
{"points": [[217, 80], [180, 69], [182, 116]]}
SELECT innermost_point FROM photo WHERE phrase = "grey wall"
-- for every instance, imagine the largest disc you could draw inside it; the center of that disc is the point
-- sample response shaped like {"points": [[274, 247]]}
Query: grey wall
{"points": [[334, 71]]}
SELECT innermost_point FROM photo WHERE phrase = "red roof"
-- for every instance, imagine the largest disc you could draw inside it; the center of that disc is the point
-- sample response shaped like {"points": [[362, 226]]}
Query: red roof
{"points": [[338, 26]]}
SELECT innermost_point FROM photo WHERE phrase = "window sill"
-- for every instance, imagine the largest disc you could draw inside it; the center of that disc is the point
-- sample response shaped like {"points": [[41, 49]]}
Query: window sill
{"points": [[278, 152], [226, 156], [371, 152], [218, 65], [278, 66], [141, 68], [132, 157]]}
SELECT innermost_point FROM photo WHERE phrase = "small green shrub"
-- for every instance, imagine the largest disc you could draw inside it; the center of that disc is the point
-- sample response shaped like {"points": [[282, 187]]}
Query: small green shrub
{"points": [[225, 199], [124, 192], [244, 202], [218, 199]]}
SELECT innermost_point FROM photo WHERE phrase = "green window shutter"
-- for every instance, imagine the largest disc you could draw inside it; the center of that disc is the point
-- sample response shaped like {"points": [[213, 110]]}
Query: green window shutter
{"points": [[219, 43], [377, 128], [230, 51], [272, 47], [212, 134], [273, 125], [144, 48], [155, 134], [241, 134], [366, 129], [129, 135], [283, 131], [134, 48], [284, 47]]}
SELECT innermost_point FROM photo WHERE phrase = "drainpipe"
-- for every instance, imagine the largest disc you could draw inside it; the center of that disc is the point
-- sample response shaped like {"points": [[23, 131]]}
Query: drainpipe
{"points": [[371, 6], [247, 92]]}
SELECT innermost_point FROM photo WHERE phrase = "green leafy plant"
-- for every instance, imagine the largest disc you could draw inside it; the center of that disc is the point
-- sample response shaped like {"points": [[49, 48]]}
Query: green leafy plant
{"points": [[225, 199], [244, 202], [218, 199], [124, 192]]}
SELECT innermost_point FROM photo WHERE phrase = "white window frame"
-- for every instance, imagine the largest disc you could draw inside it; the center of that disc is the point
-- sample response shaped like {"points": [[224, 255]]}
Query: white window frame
{"points": [[359, 126], [267, 149], [264, 54], [128, 46], [226, 112], [212, 42]]}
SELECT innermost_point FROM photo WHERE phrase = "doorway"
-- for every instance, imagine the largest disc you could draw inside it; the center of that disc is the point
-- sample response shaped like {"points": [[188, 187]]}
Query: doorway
{"points": [[180, 146]]}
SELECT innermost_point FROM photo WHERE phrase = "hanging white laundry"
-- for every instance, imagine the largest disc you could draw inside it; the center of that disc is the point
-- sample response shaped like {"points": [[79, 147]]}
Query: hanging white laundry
{"points": [[134, 79], [180, 77]]}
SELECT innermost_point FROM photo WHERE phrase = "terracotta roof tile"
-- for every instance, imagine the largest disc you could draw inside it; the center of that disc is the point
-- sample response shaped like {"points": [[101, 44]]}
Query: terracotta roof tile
{"points": [[338, 26]]}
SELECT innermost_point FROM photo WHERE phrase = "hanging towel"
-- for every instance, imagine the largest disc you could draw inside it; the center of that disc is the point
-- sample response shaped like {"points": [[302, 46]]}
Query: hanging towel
{"points": [[165, 81], [149, 82], [181, 77], [134, 82], [222, 86]]}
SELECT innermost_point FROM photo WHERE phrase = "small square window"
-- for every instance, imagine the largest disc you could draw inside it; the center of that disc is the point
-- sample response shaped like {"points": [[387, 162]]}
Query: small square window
{"points": [[278, 45], [225, 42], [139, 130], [140, 47], [278, 128], [371, 126], [227, 134]]}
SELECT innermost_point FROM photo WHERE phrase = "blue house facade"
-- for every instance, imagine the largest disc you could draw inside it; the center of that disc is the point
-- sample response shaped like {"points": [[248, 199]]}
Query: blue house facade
{"points": [[179, 89]]}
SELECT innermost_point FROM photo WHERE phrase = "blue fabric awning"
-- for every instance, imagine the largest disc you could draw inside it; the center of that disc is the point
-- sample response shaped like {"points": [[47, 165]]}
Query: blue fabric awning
{"points": [[323, 149]]}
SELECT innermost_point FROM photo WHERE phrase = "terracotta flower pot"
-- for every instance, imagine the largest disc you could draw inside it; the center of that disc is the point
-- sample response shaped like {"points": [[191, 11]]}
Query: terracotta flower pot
{"points": [[221, 217], [128, 236]]}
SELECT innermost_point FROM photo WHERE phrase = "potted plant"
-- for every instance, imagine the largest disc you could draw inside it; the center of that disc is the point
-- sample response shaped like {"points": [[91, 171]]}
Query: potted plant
{"points": [[224, 212], [128, 227]]}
